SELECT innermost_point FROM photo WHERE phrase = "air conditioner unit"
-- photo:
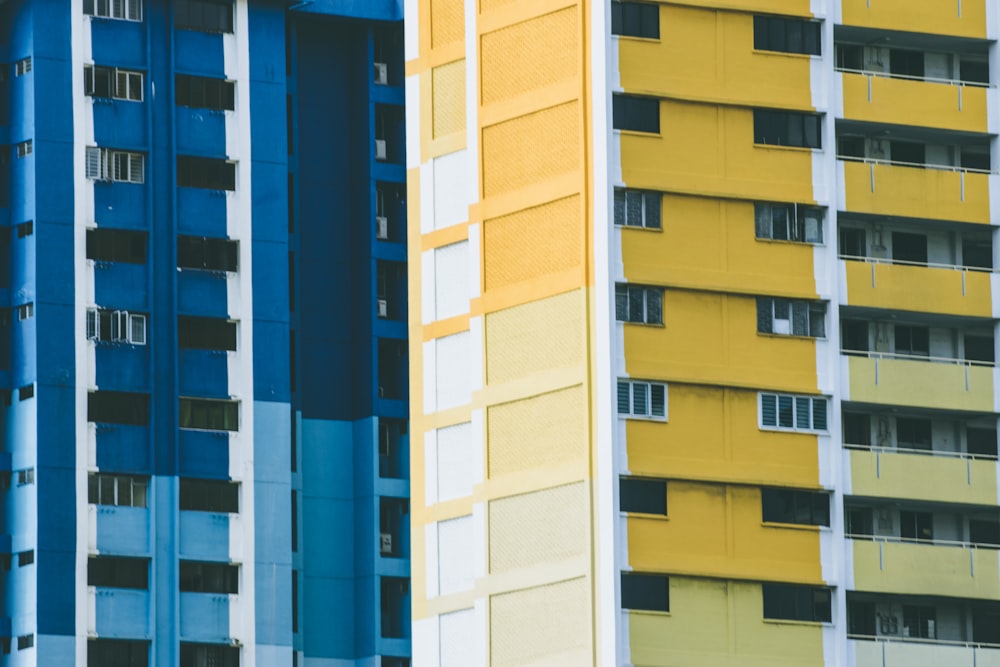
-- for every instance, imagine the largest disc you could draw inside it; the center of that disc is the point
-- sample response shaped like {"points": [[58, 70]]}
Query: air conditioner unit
{"points": [[382, 228], [382, 74], [380, 149], [385, 543], [383, 307]]}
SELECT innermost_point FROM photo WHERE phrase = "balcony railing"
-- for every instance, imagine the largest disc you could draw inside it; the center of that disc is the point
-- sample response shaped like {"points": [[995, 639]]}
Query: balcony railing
{"points": [[895, 539], [872, 161], [925, 452], [903, 262], [916, 357], [927, 79]]}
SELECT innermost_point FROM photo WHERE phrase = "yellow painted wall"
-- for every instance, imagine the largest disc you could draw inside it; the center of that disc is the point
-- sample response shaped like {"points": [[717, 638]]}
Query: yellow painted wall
{"points": [[710, 244], [784, 7], [447, 22], [716, 530], [730, 446], [710, 338], [543, 526], [892, 475], [930, 17], [921, 384], [720, 624], [917, 288], [448, 83], [917, 654], [545, 625], [536, 432], [708, 150], [879, 99], [915, 192], [708, 55], [927, 569]]}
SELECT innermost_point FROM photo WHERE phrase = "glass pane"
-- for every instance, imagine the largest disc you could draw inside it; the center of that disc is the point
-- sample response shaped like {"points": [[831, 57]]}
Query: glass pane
{"points": [[635, 304], [139, 493], [802, 412], [653, 203], [107, 489], [765, 308], [785, 412], [633, 206], [639, 402], [769, 410], [800, 318], [658, 394], [623, 397], [819, 414], [621, 303], [654, 306], [619, 199], [762, 220]]}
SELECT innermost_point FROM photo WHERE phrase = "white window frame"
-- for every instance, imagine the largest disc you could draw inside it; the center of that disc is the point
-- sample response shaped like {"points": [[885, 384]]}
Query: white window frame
{"points": [[118, 480], [104, 164], [812, 217], [781, 326], [126, 327], [25, 311], [645, 399], [645, 216], [25, 148], [123, 10], [644, 317], [22, 66], [127, 83], [796, 400]]}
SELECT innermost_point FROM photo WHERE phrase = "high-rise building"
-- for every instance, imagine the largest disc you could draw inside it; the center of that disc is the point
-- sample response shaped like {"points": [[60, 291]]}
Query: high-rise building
{"points": [[202, 334], [703, 332]]}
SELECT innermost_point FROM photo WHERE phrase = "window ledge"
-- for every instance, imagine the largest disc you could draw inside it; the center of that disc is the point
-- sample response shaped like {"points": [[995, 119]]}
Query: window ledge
{"points": [[788, 621], [794, 149], [647, 612], [789, 242], [808, 527], [640, 228], [643, 418], [654, 40], [657, 325], [802, 431], [796, 336], [637, 133], [644, 515], [787, 54]]}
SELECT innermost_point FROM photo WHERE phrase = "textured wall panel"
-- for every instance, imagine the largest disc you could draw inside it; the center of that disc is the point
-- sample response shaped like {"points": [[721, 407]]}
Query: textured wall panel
{"points": [[538, 527], [458, 635], [448, 83], [487, 5], [537, 336], [530, 55], [547, 625], [532, 243], [452, 360], [455, 462], [538, 431], [447, 22], [451, 280], [451, 205], [530, 149]]}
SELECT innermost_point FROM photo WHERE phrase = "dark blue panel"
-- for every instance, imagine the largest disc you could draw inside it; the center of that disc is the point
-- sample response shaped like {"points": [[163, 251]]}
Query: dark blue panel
{"points": [[118, 43], [204, 373], [56, 580], [122, 367], [199, 53], [270, 286], [379, 10], [201, 212], [122, 448], [204, 454], [201, 132], [121, 204], [202, 293], [270, 205], [120, 124], [270, 361], [121, 286]]}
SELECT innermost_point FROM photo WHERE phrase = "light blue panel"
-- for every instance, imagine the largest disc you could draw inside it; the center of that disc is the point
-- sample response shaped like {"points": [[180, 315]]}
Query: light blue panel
{"points": [[271, 429], [329, 604], [123, 531], [122, 613], [204, 617], [327, 458], [272, 509], [55, 649], [273, 590], [204, 536], [328, 535], [274, 656]]}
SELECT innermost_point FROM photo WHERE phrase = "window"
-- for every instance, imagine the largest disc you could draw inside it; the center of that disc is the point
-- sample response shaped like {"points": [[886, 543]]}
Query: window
{"points": [[638, 208], [788, 222], [25, 311], [645, 592], [635, 303], [645, 496], [209, 414], [209, 655], [909, 248], [206, 333], [796, 603], [205, 172], [121, 84], [25, 641], [104, 164], [639, 114], [776, 33], [803, 413], [121, 490], [118, 407], [202, 92], [118, 572], [25, 229], [118, 653], [853, 242], [210, 495], [977, 253], [635, 19], [116, 245], [26, 476], [128, 10], [860, 521], [981, 441], [919, 621], [642, 399], [203, 15], [791, 318], [24, 393], [787, 128], [913, 433], [25, 148], [22, 66], [912, 341], [808, 508], [857, 429], [200, 577], [116, 326], [854, 337], [25, 558], [916, 525], [198, 252]]}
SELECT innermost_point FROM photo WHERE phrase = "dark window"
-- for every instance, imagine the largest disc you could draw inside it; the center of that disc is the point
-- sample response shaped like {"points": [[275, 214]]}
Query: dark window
{"points": [[854, 336], [124, 490], [635, 19], [206, 333], [25, 229], [791, 318], [201, 577], [642, 399], [853, 242], [638, 208], [295, 521], [979, 348], [850, 56], [640, 114], [986, 624], [787, 128], [117, 653], [642, 305], [909, 247], [851, 147], [861, 618], [796, 603], [116, 245], [914, 341], [788, 222], [208, 414], [205, 93], [25, 642], [199, 252], [118, 572], [906, 63], [209, 655], [908, 151], [975, 71], [295, 602], [916, 525], [984, 531], [112, 82], [646, 496], [982, 441], [118, 407], [775, 33], [205, 172], [793, 412], [977, 254], [210, 495], [919, 621], [857, 429], [645, 592], [809, 508], [26, 392], [128, 10], [913, 433], [203, 15], [25, 558], [860, 521]]}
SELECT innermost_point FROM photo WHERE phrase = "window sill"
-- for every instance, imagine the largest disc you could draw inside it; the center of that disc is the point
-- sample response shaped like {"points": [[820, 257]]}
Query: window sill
{"points": [[801, 431], [654, 40], [794, 149], [796, 336], [657, 325], [640, 228], [643, 418], [789, 242], [808, 527], [648, 612], [788, 621], [644, 515], [638, 133], [787, 54]]}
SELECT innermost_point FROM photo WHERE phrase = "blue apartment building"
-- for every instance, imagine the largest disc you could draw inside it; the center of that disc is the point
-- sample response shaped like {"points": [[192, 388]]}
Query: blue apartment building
{"points": [[203, 374]]}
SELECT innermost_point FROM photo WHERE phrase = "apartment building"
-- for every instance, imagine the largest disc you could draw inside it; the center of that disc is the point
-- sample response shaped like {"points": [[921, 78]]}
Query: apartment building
{"points": [[702, 327]]}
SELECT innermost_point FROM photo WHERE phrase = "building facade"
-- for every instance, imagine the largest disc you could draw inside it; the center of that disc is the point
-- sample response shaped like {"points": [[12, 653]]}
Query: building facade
{"points": [[703, 332]]}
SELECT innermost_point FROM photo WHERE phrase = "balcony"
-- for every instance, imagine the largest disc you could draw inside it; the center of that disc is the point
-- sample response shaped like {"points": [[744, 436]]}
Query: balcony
{"points": [[945, 104], [205, 616], [927, 382], [121, 530], [934, 288], [892, 565], [901, 652], [206, 535], [965, 18], [118, 613], [881, 187], [890, 473]]}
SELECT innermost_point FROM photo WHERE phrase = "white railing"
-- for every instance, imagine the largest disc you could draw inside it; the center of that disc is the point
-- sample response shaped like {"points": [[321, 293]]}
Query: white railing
{"points": [[916, 165], [916, 357], [916, 540], [958, 643], [906, 262], [908, 77], [879, 449]]}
